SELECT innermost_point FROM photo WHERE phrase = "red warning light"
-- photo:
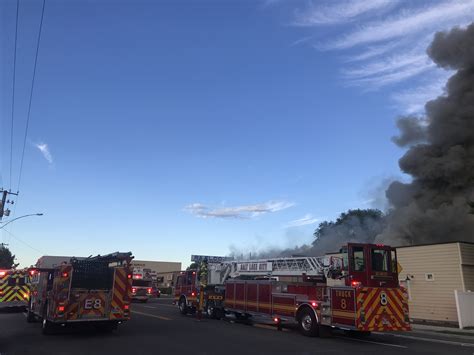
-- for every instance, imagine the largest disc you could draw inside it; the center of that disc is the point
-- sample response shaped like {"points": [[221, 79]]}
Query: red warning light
{"points": [[355, 283]]}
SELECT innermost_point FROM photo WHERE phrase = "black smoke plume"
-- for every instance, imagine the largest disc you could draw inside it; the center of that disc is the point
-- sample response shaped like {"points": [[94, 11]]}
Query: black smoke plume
{"points": [[359, 226], [434, 207], [438, 204]]}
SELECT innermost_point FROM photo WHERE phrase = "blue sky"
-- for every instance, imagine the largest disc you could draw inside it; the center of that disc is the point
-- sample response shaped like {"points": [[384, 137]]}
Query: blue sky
{"points": [[172, 128]]}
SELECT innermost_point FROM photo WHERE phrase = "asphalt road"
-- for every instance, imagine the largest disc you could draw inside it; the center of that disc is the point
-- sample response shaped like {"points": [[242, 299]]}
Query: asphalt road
{"points": [[158, 328]]}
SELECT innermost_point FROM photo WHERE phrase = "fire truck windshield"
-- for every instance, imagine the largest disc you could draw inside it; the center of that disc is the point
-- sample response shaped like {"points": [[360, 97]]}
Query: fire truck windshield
{"points": [[380, 260]]}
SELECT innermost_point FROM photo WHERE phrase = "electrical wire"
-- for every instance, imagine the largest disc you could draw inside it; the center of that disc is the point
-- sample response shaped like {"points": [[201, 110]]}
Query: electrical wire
{"points": [[22, 241], [38, 41], [13, 94], [31, 96]]}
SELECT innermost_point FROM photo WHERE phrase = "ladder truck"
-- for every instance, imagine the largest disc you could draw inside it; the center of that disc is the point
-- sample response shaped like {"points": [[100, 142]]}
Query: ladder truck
{"points": [[356, 290]]}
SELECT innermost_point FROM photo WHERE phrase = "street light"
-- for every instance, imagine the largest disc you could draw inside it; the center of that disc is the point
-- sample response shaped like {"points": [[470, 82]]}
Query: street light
{"points": [[14, 219]]}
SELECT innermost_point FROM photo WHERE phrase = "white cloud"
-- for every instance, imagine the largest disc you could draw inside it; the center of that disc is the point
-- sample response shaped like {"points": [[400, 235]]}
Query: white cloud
{"points": [[301, 40], [408, 22], [383, 43], [304, 221], [372, 51], [237, 212], [377, 81], [386, 65], [340, 12], [44, 149]]}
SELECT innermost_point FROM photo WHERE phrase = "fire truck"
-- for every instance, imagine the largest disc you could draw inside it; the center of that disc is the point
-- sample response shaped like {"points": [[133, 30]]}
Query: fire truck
{"points": [[356, 290], [13, 288], [66, 290], [142, 285]]}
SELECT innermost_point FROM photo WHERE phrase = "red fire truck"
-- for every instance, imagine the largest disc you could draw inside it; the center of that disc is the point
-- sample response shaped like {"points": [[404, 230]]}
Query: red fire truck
{"points": [[356, 290], [95, 289], [142, 285]]}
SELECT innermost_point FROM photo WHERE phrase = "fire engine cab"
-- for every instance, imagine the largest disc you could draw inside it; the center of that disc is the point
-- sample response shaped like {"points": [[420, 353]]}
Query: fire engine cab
{"points": [[356, 290]]}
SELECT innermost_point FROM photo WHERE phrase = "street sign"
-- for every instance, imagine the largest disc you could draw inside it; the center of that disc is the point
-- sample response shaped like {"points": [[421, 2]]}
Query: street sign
{"points": [[208, 258]]}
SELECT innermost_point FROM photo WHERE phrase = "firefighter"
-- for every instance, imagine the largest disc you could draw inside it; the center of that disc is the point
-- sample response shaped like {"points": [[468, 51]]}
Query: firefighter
{"points": [[202, 282]]}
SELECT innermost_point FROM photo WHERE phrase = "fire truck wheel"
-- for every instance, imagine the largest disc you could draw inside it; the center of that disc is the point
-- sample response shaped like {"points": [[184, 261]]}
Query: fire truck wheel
{"points": [[183, 308], [210, 310], [47, 327], [307, 322], [30, 316]]}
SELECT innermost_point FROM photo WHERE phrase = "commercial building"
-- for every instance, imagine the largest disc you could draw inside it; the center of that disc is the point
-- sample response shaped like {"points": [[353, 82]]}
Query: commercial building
{"points": [[161, 272], [431, 273]]}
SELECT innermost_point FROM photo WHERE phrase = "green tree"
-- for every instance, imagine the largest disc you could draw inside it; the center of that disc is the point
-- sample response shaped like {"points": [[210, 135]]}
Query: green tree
{"points": [[193, 266], [7, 259], [352, 226]]}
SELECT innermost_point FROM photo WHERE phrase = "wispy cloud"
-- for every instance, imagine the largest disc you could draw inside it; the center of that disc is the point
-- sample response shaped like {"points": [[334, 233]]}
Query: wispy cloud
{"points": [[376, 81], [372, 51], [387, 65], [44, 149], [407, 22], [304, 221], [383, 42], [237, 212], [340, 12], [301, 40]]}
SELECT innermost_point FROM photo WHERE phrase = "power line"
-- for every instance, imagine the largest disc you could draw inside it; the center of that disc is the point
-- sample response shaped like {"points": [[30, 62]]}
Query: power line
{"points": [[13, 94], [31, 94], [22, 241], [38, 41]]}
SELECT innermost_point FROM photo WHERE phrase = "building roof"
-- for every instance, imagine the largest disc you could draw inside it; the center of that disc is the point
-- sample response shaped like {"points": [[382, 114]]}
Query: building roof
{"points": [[427, 244]]}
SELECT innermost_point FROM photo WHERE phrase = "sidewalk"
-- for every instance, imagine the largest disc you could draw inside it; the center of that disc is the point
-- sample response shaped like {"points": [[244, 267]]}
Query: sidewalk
{"points": [[441, 330]]}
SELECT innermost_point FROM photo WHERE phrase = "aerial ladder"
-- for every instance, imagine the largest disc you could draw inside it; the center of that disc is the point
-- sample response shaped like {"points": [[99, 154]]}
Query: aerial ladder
{"points": [[324, 267]]}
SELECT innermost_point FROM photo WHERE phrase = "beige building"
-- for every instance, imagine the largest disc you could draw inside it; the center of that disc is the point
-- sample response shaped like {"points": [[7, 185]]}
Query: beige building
{"points": [[431, 273], [159, 271], [167, 279]]}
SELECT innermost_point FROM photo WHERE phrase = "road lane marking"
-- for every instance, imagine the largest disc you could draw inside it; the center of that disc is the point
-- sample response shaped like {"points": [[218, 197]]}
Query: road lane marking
{"points": [[372, 342], [449, 342], [150, 307], [151, 315]]}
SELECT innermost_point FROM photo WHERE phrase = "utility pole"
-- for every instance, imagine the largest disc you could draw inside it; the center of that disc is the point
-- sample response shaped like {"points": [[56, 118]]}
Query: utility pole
{"points": [[3, 210]]}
